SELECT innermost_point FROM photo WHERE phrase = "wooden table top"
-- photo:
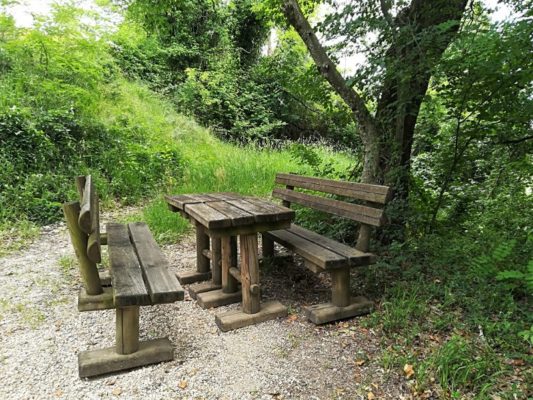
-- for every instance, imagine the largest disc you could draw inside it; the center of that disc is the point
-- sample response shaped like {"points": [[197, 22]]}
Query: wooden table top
{"points": [[218, 211]]}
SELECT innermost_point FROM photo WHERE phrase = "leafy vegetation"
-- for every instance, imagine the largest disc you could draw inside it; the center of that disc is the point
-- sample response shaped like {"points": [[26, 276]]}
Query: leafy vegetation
{"points": [[79, 94]]}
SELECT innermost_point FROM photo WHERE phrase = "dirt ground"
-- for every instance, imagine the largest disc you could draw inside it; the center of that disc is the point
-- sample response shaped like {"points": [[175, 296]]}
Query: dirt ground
{"points": [[290, 358]]}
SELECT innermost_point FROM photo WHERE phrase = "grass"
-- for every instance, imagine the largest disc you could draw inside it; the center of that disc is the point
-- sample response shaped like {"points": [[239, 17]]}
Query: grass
{"points": [[210, 165]]}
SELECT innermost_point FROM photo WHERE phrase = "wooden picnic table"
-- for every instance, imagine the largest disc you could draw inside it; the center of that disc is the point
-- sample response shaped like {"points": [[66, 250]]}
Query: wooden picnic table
{"points": [[221, 218]]}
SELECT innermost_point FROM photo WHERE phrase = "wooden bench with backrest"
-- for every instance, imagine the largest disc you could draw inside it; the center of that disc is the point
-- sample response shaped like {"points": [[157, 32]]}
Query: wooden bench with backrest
{"points": [[139, 276], [321, 253]]}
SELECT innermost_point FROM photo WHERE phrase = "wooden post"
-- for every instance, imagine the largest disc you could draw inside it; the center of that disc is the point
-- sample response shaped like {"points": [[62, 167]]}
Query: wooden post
{"points": [[88, 270], [268, 247], [363, 241], [340, 289], [80, 185], [250, 274], [202, 242], [127, 336], [216, 267], [287, 203], [229, 259]]}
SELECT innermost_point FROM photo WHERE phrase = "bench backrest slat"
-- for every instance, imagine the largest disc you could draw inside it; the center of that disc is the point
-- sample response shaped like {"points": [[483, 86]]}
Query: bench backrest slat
{"points": [[162, 284], [89, 219], [361, 191], [357, 212]]}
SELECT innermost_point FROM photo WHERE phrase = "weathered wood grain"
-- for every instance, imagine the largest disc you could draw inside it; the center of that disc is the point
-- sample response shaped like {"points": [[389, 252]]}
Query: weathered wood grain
{"points": [[162, 284], [362, 191], [127, 330], [88, 270], [216, 263], [87, 202], [313, 252], [208, 216], [249, 273], [228, 260], [202, 244], [363, 214], [126, 273], [236, 215], [105, 361], [236, 319], [354, 257], [328, 312]]}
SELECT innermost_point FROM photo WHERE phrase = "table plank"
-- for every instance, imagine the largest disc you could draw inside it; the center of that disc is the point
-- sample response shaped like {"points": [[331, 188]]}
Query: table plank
{"points": [[237, 216], [225, 195], [282, 213], [207, 216]]}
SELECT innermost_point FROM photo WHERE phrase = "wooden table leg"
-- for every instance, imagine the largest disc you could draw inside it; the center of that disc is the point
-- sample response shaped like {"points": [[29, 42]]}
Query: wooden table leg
{"points": [[229, 259], [250, 274], [252, 311], [202, 272], [216, 264], [230, 292]]}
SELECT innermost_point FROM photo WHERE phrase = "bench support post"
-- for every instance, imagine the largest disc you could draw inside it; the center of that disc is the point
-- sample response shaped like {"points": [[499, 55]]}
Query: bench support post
{"points": [[342, 305], [363, 241], [340, 289], [79, 239], [127, 335]]}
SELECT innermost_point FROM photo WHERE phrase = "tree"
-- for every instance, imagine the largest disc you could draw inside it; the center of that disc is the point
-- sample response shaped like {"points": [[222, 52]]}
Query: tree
{"points": [[411, 39]]}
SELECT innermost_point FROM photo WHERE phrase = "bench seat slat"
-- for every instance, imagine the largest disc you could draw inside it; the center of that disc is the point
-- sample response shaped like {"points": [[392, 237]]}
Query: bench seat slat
{"points": [[162, 284], [363, 214], [362, 191], [126, 274], [312, 252], [355, 257]]}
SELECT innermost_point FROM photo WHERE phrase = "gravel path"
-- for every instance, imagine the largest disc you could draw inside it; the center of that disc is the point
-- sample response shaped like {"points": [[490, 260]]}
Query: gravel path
{"points": [[41, 333]]}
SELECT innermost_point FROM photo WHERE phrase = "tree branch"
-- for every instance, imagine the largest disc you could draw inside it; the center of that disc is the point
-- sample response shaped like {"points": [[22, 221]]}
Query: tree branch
{"points": [[385, 10], [515, 141], [325, 65]]}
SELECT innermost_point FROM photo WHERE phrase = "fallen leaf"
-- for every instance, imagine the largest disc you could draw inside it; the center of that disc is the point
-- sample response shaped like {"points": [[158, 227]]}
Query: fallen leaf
{"points": [[183, 384], [370, 396], [517, 362], [409, 371], [359, 362], [117, 391], [375, 385], [292, 318], [58, 393]]}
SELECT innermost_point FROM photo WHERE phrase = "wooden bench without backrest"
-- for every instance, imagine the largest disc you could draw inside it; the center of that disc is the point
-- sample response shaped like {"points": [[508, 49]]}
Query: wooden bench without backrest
{"points": [[321, 253], [139, 277]]}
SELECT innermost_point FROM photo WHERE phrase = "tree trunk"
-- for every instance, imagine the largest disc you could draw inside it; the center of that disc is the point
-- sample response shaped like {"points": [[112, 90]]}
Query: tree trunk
{"points": [[419, 38]]}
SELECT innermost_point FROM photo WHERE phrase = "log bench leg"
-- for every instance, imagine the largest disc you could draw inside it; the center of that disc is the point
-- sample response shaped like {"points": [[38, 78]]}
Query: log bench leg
{"points": [[252, 311], [229, 293], [342, 305], [216, 271], [202, 272], [128, 352]]}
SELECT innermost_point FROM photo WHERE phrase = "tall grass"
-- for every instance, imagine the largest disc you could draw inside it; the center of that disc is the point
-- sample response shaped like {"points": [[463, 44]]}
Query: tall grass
{"points": [[210, 165]]}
